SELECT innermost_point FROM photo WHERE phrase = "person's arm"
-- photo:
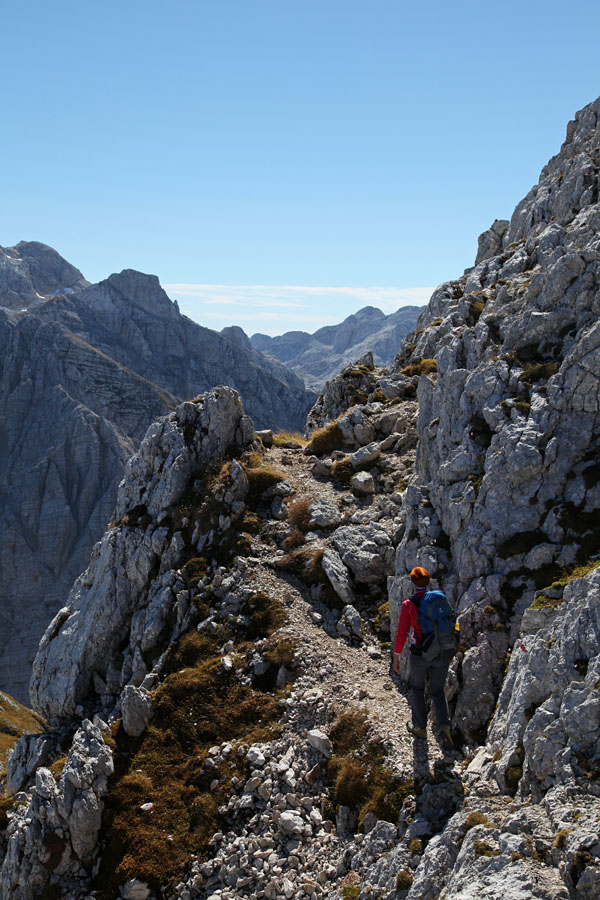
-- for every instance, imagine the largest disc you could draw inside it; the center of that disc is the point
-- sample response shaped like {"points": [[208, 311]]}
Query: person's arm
{"points": [[404, 624]]}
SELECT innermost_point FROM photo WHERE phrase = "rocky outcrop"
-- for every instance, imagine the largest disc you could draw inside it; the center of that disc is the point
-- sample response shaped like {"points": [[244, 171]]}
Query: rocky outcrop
{"points": [[506, 490], [319, 357], [53, 831], [117, 614], [84, 370]]}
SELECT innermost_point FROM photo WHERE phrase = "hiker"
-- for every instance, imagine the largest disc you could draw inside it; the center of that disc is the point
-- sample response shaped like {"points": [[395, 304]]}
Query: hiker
{"points": [[420, 666]]}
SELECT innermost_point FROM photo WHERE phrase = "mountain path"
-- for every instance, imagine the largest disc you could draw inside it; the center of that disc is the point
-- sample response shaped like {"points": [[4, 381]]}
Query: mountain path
{"points": [[349, 675]]}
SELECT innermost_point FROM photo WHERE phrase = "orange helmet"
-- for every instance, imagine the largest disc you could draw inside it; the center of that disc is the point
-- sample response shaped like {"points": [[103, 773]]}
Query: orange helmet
{"points": [[419, 576]]}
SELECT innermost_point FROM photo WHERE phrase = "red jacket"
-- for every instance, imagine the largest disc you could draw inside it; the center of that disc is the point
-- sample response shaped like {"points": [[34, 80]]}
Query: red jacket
{"points": [[409, 618]]}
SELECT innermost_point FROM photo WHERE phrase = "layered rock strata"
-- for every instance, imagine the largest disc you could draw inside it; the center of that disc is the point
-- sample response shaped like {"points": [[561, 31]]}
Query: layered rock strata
{"points": [[84, 370]]}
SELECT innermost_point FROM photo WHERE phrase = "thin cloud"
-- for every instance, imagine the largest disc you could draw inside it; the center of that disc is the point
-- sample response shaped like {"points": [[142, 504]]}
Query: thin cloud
{"points": [[291, 295]]}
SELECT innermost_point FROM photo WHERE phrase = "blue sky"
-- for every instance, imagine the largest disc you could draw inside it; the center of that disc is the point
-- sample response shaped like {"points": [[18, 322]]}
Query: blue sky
{"points": [[245, 149]]}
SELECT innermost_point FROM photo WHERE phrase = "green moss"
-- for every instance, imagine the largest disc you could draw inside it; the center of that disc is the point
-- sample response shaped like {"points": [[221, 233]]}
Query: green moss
{"points": [[415, 846], [543, 602], [351, 892]]}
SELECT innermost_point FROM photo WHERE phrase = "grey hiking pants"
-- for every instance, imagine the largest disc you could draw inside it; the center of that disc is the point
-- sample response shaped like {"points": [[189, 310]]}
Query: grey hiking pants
{"points": [[437, 679]]}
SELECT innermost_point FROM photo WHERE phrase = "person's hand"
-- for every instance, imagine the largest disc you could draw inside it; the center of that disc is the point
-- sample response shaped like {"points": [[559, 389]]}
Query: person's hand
{"points": [[396, 664]]}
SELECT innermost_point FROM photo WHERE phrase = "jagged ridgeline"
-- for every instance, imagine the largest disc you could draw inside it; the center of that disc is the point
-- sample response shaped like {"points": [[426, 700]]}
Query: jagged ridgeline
{"points": [[84, 370], [223, 720]]}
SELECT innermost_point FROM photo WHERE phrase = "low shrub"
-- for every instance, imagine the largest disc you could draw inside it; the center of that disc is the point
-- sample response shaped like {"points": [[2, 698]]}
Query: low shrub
{"points": [[424, 367]]}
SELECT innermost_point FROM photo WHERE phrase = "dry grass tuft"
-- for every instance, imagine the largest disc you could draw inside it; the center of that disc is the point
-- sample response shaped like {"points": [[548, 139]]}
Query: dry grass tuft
{"points": [[360, 778], [293, 540], [299, 515], [305, 563], [326, 440], [260, 479], [283, 438], [424, 367]]}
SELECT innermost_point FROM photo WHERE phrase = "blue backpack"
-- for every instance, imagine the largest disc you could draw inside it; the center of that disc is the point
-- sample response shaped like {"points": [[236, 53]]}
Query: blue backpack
{"points": [[439, 639]]}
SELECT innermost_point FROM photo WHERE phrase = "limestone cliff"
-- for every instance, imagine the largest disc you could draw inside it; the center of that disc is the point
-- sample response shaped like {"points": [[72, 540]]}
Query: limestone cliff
{"points": [[84, 370]]}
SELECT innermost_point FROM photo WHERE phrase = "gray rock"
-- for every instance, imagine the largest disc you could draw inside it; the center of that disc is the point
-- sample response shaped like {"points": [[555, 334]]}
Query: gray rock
{"points": [[366, 550], [338, 575], [366, 454], [350, 624], [319, 740], [68, 812], [362, 484], [324, 514], [117, 592], [134, 889], [137, 709]]}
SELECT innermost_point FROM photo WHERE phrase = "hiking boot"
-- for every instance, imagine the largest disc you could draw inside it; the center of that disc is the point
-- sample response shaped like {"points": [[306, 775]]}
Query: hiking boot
{"points": [[446, 736], [416, 732]]}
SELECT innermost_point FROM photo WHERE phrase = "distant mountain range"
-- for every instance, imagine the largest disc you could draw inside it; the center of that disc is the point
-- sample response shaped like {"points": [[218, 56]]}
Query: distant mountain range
{"points": [[318, 357], [84, 369]]}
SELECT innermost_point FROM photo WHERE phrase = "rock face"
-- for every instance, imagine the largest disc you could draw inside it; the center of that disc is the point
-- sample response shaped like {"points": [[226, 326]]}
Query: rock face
{"points": [[507, 489], [318, 357], [130, 589], [56, 830], [84, 370]]}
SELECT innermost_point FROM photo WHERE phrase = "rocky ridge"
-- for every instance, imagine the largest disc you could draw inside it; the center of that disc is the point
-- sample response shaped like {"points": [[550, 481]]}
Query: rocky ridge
{"points": [[84, 370], [274, 591], [319, 357]]}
